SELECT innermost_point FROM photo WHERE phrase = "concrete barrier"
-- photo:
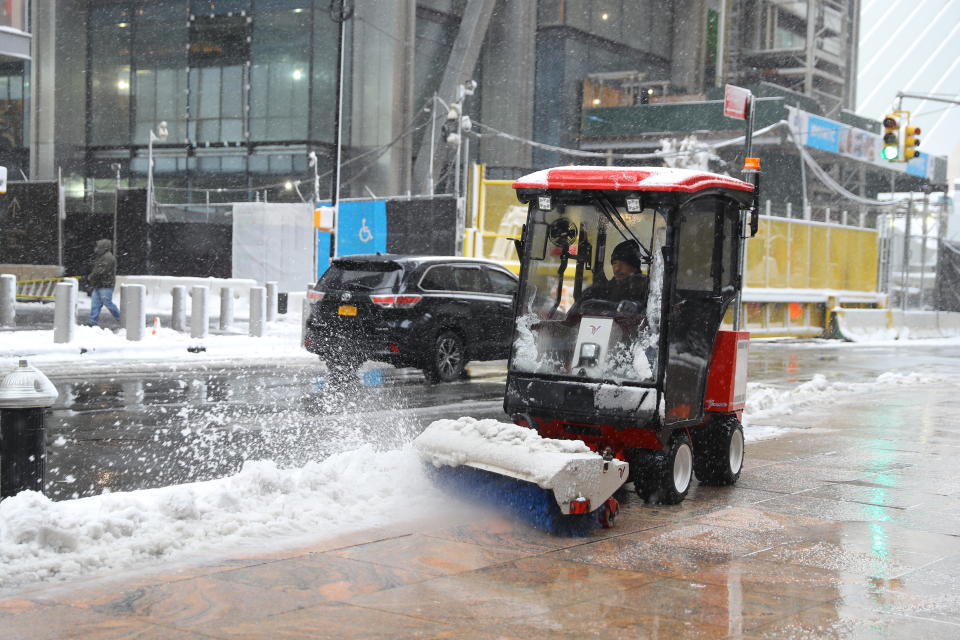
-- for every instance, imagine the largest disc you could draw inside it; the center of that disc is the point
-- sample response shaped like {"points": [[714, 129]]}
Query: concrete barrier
{"points": [[864, 325]]}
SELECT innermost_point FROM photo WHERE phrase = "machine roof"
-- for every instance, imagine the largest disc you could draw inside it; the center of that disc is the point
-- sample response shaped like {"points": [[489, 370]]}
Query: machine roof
{"points": [[629, 179]]}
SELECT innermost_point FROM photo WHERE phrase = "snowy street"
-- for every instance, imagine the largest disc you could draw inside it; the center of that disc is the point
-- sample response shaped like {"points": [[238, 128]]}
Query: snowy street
{"points": [[177, 463], [845, 518]]}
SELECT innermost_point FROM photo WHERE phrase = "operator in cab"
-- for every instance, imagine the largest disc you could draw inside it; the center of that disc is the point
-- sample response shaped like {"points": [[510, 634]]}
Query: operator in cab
{"points": [[626, 293]]}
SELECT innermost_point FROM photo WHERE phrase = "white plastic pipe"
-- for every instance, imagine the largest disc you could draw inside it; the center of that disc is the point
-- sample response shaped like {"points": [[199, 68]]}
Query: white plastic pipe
{"points": [[8, 300], [226, 308], [258, 311], [199, 312], [271, 301], [64, 311], [133, 298], [178, 320]]}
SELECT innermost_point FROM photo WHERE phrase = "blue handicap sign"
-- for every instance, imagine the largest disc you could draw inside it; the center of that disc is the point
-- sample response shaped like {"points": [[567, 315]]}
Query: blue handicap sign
{"points": [[361, 228]]}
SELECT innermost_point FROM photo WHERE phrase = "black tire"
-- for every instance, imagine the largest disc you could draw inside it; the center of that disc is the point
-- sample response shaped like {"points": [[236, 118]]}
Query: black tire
{"points": [[718, 451], [448, 359], [664, 477]]}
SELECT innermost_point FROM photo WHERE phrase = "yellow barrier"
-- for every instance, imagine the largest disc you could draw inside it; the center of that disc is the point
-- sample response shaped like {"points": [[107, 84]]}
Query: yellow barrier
{"points": [[42, 289], [793, 267]]}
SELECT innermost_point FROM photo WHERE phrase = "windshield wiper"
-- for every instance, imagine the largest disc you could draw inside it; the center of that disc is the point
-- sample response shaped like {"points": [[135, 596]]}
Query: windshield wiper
{"points": [[608, 208]]}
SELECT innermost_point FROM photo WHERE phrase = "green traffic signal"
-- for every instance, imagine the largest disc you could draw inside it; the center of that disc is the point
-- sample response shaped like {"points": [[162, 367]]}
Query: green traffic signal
{"points": [[890, 152]]}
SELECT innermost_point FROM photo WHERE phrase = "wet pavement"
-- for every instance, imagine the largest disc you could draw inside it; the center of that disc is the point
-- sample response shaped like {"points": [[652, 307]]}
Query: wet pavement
{"points": [[846, 527]]}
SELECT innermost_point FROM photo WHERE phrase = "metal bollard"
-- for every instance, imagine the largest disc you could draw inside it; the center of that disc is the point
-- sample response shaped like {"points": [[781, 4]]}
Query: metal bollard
{"points": [[8, 300], [133, 297], [258, 311], [271, 301], [178, 320], [226, 308], [24, 394], [64, 311], [199, 312]]}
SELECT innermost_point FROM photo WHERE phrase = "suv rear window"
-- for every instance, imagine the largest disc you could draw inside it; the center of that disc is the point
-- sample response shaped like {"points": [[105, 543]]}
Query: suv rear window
{"points": [[360, 276]]}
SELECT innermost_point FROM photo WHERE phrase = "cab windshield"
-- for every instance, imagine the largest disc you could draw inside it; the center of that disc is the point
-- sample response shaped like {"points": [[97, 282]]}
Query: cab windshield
{"points": [[590, 297]]}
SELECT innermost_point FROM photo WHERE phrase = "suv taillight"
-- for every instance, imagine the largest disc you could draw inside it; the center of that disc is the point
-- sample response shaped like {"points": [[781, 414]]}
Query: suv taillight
{"points": [[395, 302], [314, 295]]}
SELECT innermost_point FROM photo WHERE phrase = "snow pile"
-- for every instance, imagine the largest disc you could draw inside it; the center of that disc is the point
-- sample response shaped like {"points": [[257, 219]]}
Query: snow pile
{"points": [[497, 445], [97, 345], [764, 401], [41, 540]]}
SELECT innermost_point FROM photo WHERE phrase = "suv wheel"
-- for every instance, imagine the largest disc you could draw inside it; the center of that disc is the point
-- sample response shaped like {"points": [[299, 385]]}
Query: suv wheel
{"points": [[448, 359]]}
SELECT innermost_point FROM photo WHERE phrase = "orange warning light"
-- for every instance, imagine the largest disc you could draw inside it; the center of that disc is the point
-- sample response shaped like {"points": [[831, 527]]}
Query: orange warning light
{"points": [[751, 164]]}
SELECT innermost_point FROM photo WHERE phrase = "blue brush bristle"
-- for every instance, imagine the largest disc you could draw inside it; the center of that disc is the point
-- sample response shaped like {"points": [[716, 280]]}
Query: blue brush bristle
{"points": [[523, 500]]}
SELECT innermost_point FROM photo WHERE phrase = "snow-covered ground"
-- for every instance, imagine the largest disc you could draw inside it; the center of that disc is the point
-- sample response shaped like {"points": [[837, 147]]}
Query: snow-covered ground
{"points": [[263, 505], [270, 507], [99, 347]]}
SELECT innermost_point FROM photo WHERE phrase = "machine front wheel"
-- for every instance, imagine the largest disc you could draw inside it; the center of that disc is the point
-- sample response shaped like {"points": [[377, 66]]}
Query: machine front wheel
{"points": [[719, 448], [664, 476]]}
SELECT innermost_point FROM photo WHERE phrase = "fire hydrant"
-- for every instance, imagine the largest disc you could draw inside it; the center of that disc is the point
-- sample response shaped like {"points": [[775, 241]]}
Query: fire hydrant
{"points": [[24, 395]]}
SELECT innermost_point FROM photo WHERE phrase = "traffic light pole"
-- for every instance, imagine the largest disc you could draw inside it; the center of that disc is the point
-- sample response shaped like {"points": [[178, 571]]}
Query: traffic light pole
{"points": [[922, 96]]}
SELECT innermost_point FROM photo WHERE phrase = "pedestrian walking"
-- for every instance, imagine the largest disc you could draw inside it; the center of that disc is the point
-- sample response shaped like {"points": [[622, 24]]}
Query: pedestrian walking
{"points": [[101, 281]]}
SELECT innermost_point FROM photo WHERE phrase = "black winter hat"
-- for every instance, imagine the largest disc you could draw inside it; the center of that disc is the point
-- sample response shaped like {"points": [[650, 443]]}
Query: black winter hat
{"points": [[627, 251]]}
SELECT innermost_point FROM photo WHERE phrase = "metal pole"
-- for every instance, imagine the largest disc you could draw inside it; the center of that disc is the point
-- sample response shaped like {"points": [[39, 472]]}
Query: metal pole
{"points": [[456, 179], [433, 135], [339, 14], [923, 247], [904, 276], [742, 250], [149, 180]]}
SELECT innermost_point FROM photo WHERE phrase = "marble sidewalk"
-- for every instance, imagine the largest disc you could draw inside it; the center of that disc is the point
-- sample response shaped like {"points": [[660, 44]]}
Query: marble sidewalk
{"points": [[847, 530]]}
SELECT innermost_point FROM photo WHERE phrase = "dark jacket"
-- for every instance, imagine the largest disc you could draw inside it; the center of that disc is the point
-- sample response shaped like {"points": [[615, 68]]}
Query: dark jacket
{"points": [[605, 297], [103, 274]]}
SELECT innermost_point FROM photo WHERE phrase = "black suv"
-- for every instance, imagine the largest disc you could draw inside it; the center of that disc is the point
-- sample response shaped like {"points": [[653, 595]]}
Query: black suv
{"points": [[429, 312]]}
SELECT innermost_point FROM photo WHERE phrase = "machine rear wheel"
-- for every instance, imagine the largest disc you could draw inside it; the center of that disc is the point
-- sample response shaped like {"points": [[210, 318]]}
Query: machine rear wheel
{"points": [[664, 476], [719, 448]]}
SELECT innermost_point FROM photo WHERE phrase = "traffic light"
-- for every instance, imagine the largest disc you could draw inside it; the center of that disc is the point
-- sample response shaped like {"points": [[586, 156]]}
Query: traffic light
{"points": [[910, 143], [891, 138]]}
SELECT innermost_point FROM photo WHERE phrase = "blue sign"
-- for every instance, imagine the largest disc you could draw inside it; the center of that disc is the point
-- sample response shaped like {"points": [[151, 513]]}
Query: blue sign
{"points": [[361, 228], [823, 134], [918, 166]]}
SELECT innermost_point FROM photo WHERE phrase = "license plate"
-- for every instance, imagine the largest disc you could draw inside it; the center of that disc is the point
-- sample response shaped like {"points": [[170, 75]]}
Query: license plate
{"points": [[347, 310]]}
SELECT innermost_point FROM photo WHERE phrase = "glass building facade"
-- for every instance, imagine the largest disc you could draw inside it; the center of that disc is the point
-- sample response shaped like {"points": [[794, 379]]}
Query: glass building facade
{"points": [[246, 89]]}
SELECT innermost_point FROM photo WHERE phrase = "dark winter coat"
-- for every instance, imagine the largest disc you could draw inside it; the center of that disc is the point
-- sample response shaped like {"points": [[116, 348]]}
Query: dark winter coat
{"points": [[103, 274]]}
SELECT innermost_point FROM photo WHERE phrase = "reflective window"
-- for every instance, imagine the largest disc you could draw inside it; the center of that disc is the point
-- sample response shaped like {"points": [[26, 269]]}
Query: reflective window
{"points": [[439, 278], [109, 43], [697, 238], [279, 76], [470, 279], [502, 282]]}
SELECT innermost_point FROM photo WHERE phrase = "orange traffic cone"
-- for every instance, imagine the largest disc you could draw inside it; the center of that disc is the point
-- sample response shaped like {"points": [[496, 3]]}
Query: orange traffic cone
{"points": [[156, 324]]}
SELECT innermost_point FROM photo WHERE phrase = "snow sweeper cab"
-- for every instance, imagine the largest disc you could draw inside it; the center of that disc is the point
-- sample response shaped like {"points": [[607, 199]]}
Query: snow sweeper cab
{"points": [[626, 275], [619, 369]]}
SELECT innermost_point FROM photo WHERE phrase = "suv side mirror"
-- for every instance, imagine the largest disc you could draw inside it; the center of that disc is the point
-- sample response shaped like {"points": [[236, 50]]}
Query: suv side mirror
{"points": [[518, 245]]}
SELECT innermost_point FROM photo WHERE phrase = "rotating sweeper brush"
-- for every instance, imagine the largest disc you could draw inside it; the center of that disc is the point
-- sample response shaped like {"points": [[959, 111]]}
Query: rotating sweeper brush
{"points": [[539, 479]]}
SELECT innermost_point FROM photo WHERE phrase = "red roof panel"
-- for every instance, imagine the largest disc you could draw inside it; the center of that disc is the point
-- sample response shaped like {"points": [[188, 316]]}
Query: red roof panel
{"points": [[628, 179]]}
